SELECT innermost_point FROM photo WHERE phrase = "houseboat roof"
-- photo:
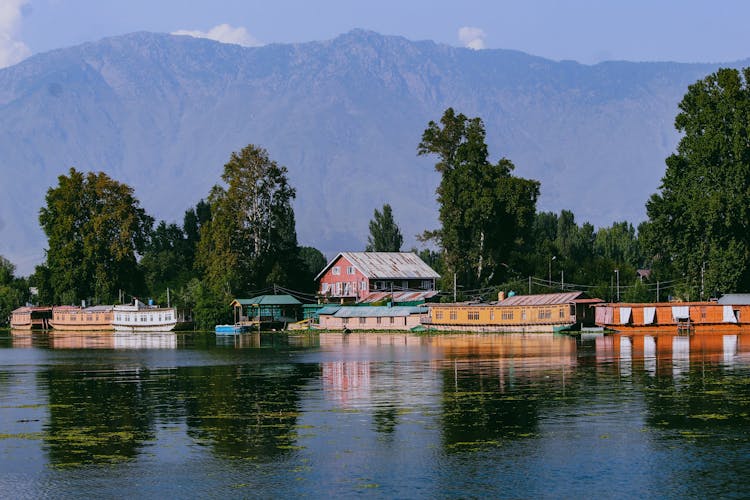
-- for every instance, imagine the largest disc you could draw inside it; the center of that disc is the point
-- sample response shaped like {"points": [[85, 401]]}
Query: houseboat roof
{"points": [[31, 309], [735, 299], [386, 265], [378, 311], [545, 299], [93, 309], [267, 300], [396, 297]]}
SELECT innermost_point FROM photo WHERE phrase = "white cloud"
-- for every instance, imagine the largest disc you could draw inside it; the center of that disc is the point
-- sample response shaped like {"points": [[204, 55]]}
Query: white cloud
{"points": [[471, 37], [11, 49], [224, 33]]}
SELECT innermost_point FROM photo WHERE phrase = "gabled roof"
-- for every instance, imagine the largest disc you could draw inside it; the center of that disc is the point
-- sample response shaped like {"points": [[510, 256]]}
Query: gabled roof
{"points": [[267, 300], [397, 297], [386, 265], [542, 299]]}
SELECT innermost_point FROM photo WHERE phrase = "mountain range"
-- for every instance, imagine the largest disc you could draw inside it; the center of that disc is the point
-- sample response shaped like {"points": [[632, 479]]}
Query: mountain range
{"points": [[163, 113]]}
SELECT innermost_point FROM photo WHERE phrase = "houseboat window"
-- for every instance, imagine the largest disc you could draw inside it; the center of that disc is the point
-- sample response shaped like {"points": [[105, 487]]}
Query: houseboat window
{"points": [[508, 314], [378, 320], [336, 270], [168, 317], [492, 315], [703, 312], [438, 314], [562, 313], [572, 309], [362, 320], [426, 284], [454, 315], [324, 287], [350, 270], [392, 318], [338, 288], [345, 321], [89, 317], [523, 314], [472, 315]]}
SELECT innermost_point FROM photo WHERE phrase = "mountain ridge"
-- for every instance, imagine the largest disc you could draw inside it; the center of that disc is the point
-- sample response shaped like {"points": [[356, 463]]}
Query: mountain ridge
{"points": [[163, 113]]}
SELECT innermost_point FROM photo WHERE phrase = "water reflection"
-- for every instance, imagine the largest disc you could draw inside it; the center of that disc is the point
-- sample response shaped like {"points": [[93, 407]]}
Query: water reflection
{"points": [[315, 415]]}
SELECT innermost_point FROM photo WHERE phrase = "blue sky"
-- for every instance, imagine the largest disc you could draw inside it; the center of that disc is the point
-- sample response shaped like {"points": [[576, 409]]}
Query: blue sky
{"points": [[587, 31]]}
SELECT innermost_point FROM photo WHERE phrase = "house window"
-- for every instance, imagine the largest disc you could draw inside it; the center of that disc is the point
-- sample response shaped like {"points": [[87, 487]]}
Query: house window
{"points": [[492, 315], [523, 314], [362, 320], [363, 286], [350, 270], [454, 315], [405, 285], [438, 314], [426, 285], [378, 320], [336, 270], [324, 287], [338, 288]]}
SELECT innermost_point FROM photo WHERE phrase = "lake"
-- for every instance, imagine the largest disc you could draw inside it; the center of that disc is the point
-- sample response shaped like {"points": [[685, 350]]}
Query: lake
{"points": [[385, 415]]}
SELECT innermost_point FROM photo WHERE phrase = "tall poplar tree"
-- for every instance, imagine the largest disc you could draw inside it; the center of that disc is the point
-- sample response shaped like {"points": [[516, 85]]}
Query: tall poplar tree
{"points": [[95, 230], [699, 221], [485, 212], [250, 241], [385, 235]]}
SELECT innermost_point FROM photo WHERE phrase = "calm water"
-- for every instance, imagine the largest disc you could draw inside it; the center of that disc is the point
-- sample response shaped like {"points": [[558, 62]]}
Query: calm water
{"points": [[521, 416]]}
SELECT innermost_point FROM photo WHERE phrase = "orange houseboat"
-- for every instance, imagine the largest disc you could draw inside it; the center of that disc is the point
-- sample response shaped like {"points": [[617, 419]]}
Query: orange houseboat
{"points": [[550, 312], [31, 318], [731, 314], [95, 318]]}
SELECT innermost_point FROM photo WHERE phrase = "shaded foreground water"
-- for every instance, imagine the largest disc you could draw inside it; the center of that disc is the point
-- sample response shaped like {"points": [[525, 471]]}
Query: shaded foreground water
{"points": [[193, 415]]}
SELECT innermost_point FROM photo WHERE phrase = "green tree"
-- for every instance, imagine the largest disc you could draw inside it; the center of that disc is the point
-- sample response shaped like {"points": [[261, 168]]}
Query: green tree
{"points": [[11, 293], [385, 235], [486, 214], [250, 241], [699, 221], [95, 229]]}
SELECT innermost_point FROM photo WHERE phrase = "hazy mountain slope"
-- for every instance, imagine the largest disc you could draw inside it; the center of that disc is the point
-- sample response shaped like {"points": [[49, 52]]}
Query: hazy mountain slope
{"points": [[163, 113]]}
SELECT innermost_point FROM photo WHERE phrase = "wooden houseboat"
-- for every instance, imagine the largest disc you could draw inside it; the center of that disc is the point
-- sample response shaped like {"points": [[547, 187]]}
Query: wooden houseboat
{"points": [[374, 318], [31, 318], [551, 312], [139, 317], [88, 319], [730, 315]]}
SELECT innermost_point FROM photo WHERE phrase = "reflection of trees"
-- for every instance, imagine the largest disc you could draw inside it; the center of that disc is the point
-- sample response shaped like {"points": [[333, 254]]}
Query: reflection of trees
{"points": [[95, 417], [244, 411], [480, 407]]}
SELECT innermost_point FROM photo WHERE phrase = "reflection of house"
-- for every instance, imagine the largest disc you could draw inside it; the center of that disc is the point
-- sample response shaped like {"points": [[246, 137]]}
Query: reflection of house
{"points": [[273, 310], [371, 317], [521, 313], [352, 276]]}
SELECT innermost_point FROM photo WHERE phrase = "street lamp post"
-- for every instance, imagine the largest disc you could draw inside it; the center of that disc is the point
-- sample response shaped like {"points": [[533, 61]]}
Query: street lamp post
{"points": [[553, 257]]}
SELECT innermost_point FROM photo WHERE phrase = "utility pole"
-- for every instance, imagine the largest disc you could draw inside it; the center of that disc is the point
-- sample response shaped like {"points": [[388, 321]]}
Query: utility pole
{"points": [[617, 272], [454, 287], [562, 280], [703, 271], [529, 285], [552, 257], [657, 291]]}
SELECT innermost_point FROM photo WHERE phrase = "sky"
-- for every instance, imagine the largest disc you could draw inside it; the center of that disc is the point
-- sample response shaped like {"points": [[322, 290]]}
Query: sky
{"points": [[587, 31]]}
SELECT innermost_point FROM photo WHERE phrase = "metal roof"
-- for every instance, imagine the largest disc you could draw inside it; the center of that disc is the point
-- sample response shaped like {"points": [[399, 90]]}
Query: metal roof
{"points": [[407, 296], [737, 299], [268, 300], [378, 311], [545, 299], [386, 265], [328, 310]]}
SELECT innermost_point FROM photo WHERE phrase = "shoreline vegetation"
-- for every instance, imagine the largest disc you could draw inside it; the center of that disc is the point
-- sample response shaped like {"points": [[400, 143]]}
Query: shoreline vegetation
{"points": [[240, 240]]}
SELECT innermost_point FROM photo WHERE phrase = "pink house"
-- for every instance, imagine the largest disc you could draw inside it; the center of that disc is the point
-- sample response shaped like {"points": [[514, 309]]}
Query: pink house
{"points": [[352, 276]]}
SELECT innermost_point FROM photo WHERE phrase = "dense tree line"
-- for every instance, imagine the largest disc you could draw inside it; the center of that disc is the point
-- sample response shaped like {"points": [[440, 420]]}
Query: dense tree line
{"points": [[242, 238]]}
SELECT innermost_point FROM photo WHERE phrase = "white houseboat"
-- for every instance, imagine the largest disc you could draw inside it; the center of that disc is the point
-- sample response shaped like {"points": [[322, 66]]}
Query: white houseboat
{"points": [[139, 317]]}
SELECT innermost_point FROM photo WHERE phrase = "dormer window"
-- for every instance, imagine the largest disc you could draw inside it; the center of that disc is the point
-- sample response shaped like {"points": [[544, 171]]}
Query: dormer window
{"points": [[336, 271]]}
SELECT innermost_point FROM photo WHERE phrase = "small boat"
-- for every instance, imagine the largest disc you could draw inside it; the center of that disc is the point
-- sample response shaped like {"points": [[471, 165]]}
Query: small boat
{"points": [[31, 318], [139, 317], [230, 329], [82, 319]]}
